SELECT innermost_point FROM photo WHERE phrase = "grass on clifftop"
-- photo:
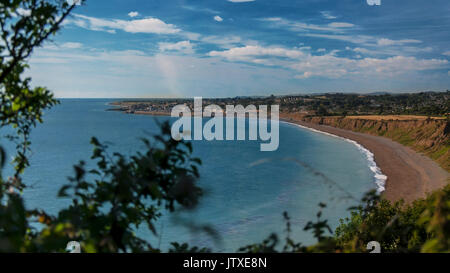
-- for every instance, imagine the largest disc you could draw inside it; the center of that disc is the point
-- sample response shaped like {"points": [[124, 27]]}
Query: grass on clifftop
{"points": [[429, 136]]}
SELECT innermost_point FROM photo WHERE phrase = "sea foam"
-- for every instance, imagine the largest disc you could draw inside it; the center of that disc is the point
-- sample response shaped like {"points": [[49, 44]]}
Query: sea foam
{"points": [[380, 178]]}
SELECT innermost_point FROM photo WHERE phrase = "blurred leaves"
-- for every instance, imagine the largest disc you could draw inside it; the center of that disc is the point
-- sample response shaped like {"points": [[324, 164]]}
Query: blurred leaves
{"points": [[423, 226], [185, 248], [24, 25]]}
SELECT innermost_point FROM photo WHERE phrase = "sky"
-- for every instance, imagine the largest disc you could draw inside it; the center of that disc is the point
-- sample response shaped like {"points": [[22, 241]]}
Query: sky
{"points": [[227, 48]]}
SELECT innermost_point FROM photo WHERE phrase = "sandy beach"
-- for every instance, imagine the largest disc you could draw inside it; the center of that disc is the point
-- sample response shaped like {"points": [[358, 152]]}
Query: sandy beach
{"points": [[410, 175]]}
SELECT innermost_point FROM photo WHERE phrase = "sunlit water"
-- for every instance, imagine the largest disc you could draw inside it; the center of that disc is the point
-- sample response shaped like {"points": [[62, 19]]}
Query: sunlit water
{"points": [[244, 201]]}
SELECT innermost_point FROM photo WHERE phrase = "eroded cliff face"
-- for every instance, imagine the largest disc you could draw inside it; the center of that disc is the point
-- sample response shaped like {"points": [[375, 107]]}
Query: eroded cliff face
{"points": [[430, 137]]}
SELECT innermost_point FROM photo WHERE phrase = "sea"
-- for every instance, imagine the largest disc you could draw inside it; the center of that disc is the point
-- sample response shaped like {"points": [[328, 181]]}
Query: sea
{"points": [[246, 190]]}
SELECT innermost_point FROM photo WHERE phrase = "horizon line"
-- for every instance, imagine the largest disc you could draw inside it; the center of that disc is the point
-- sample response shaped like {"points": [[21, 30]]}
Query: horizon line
{"points": [[263, 96]]}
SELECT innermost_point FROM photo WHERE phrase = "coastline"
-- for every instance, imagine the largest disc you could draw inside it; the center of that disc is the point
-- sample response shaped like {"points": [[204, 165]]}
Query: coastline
{"points": [[379, 176], [410, 175], [399, 171]]}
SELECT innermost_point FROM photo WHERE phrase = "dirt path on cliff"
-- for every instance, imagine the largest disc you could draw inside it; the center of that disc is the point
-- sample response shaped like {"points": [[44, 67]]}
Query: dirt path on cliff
{"points": [[410, 175]]}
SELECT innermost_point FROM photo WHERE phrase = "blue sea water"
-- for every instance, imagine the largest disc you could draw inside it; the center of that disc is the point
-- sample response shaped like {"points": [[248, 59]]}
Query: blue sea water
{"points": [[247, 190]]}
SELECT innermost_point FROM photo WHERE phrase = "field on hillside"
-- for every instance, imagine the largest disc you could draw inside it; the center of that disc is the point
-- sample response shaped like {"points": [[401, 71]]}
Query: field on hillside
{"points": [[393, 117], [430, 137]]}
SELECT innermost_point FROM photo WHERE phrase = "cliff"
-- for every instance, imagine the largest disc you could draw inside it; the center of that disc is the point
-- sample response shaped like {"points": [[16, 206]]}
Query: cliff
{"points": [[428, 136]]}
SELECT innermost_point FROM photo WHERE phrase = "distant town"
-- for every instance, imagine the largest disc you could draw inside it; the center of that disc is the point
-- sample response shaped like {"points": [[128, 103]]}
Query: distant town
{"points": [[331, 104]]}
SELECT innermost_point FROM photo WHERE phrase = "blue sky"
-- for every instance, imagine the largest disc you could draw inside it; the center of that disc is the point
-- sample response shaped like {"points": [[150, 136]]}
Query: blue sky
{"points": [[223, 48]]}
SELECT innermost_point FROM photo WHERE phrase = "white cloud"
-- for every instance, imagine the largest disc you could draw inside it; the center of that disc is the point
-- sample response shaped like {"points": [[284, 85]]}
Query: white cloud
{"points": [[447, 53], [413, 49], [378, 45], [335, 67], [218, 18], [213, 39], [392, 51], [183, 46], [72, 45], [342, 31], [133, 14], [191, 35], [146, 25], [272, 19], [328, 15], [240, 1], [226, 42], [304, 27], [361, 50], [67, 45], [389, 42], [340, 25], [199, 9], [252, 53], [307, 65], [356, 39]]}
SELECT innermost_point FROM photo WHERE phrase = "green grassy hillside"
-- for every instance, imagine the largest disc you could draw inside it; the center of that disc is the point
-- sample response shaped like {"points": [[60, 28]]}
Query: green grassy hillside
{"points": [[430, 137]]}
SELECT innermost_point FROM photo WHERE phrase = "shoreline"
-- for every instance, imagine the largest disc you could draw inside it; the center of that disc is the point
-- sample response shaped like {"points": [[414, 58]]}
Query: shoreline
{"points": [[399, 171], [410, 175], [379, 176]]}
